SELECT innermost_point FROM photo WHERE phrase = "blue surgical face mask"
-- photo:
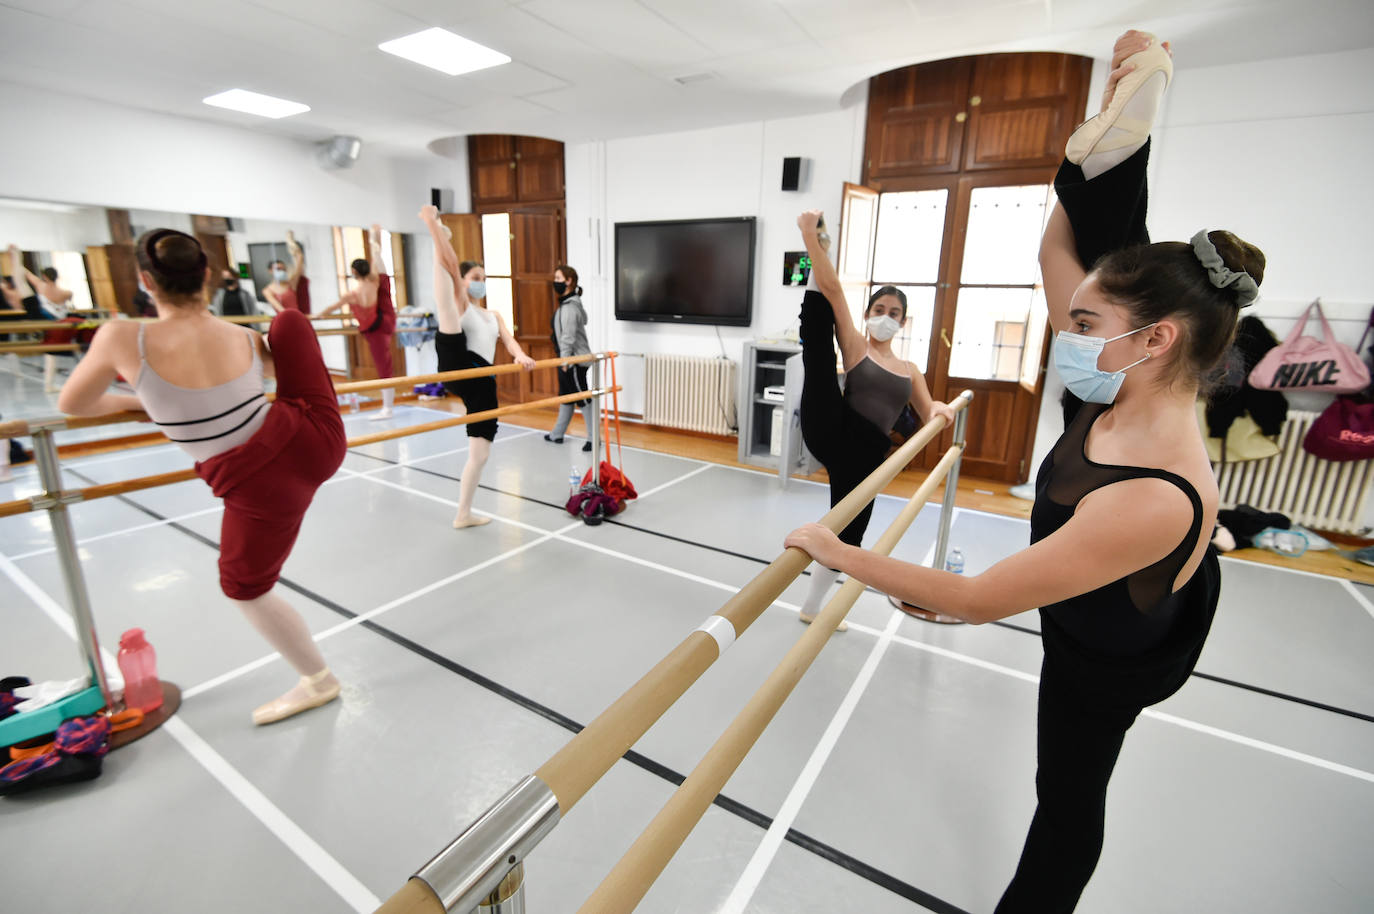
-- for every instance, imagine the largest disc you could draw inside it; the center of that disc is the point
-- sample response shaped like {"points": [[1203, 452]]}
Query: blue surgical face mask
{"points": [[279, 275], [477, 289], [1075, 355]]}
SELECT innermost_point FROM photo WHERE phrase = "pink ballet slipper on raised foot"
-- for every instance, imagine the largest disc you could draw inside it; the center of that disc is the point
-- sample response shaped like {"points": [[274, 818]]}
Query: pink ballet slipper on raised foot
{"points": [[1112, 129], [311, 692]]}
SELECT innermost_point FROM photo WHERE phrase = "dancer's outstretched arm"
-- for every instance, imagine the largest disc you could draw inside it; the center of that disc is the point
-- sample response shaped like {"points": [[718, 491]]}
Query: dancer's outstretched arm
{"points": [[18, 273], [450, 300], [852, 343], [1059, 268], [297, 259], [512, 345]]}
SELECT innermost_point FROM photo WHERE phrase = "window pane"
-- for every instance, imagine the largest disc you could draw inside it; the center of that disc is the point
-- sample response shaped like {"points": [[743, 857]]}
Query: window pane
{"points": [[71, 275], [496, 243], [990, 332], [1004, 228], [913, 340], [500, 299], [911, 226]]}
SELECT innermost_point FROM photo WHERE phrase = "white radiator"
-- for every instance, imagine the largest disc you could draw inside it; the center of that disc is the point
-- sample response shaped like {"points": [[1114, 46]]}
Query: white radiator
{"points": [[690, 392], [1316, 493]]}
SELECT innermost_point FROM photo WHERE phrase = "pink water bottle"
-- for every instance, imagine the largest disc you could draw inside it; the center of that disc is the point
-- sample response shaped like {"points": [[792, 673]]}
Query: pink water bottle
{"points": [[138, 666]]}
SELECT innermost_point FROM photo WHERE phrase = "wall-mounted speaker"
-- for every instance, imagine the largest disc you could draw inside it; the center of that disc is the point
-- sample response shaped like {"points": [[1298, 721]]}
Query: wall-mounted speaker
{"points": [[441, 198], [792, 173]]}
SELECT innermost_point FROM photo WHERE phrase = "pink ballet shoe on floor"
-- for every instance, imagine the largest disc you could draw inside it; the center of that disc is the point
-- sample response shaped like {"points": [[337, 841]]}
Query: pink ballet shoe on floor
{"points": [[1093, 134], [311, 692]]}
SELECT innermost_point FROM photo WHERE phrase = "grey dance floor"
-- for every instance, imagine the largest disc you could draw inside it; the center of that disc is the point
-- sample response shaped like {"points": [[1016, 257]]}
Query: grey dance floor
{"points": [[898, 778]]}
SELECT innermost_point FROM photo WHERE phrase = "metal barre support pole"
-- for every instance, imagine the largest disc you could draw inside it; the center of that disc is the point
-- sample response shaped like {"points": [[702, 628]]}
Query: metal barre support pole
{"points": [[951, 490], [594, 433], [55, 501], [472, 868]]}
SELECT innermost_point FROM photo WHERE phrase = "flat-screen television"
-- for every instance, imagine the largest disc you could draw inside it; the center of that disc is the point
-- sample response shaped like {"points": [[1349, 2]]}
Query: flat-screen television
{"points": [[691, 271]]}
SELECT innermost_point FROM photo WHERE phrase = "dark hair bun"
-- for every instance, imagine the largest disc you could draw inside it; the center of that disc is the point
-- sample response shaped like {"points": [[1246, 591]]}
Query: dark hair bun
{"points": [[1240, 256]]}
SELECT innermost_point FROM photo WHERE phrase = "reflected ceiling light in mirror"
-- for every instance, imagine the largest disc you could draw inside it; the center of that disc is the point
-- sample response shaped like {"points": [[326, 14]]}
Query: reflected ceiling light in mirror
{"points": [[444, 51], [256, 103]]}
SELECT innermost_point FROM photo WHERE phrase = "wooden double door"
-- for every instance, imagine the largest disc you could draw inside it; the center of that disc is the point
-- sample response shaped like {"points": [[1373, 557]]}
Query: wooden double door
{"points": [[519, 250], [960, 158]]}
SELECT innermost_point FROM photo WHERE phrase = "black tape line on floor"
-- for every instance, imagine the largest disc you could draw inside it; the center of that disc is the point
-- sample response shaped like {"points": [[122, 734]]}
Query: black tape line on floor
{"points": [[749, 814], [1221, 680]]}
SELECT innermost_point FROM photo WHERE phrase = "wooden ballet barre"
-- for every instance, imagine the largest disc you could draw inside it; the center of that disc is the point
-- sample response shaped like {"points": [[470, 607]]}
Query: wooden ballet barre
{"points": [[630, 879], [37, 348], [462, 874], [124, 487], [572, 771], [22, 428], [462, 374]]}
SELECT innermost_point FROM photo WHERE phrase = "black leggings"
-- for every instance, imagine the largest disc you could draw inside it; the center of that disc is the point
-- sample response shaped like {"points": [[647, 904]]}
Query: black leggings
{"points": [[1106, 213], [1087, 703], [849, 445]]}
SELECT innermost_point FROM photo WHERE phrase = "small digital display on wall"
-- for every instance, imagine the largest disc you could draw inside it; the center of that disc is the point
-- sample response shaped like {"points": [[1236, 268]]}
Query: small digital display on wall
{"points": [[796, 268]]}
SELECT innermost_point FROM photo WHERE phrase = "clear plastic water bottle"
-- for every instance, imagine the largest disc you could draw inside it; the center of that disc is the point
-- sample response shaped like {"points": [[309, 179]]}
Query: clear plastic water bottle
{"points": [[574, 480], [138, 666], [954, 562], [355, 401]]}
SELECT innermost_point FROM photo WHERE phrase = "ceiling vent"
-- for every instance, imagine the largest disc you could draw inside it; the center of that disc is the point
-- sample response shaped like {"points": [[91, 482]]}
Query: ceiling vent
{"points": [[338, 152], [688, 79]]}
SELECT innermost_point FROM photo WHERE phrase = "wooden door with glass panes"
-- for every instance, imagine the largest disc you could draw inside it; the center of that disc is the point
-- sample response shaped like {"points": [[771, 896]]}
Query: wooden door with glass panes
{"points": [[964, 251]]}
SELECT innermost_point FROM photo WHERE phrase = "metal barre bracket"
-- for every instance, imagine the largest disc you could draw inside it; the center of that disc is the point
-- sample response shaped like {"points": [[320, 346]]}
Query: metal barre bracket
{"points": [[463, 874]]}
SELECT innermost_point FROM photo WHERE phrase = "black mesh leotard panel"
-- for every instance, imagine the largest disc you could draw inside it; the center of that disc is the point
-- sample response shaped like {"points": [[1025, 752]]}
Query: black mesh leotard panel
{"points": [[1134, 613]]}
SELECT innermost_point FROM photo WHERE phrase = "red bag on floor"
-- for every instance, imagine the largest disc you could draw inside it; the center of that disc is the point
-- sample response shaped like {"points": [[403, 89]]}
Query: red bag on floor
{"points": [[612, 482]]}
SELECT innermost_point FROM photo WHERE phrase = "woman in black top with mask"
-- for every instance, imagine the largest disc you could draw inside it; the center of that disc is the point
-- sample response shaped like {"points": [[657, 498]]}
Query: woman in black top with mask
{"points": [[1126, 501]]}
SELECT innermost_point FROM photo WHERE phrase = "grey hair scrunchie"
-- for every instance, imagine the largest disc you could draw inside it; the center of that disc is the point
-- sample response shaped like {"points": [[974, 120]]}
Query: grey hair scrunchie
{"points": [[1247, 290]]}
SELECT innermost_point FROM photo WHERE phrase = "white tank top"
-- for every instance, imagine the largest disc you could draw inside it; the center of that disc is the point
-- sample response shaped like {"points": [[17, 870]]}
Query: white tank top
{"points": [[204, 421], [479, 325]]}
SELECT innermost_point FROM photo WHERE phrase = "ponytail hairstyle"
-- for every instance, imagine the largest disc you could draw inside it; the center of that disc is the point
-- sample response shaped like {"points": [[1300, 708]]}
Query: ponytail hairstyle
{"points": [[1203, 285], [176, 262], [571, 275]]}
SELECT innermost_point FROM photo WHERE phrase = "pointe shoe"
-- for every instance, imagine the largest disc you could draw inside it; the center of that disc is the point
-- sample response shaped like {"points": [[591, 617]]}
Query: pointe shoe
{"points": [[471, 521], [1091, 135], [808, 618], [379, 415], [313, 695]]}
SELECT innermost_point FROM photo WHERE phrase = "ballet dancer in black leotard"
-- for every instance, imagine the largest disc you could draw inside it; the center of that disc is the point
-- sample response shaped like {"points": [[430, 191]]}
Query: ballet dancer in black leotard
{"points": [[1126, 501]]}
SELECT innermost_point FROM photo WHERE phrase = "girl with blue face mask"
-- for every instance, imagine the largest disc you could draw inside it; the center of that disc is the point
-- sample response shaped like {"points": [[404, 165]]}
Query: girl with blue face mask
{"points": [[467, 337], [1119, 563]]}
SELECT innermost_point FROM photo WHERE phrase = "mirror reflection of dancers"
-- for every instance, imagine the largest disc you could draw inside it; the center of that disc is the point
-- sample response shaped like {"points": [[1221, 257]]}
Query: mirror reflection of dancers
{"points": [[371, 306], [466, 338], [200, 379], [289, 289], [54, 301], [847, 431], [1126, 500]]}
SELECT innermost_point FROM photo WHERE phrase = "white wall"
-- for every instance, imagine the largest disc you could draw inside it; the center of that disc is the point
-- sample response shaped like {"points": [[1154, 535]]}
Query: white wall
{"points": [[53, 229], [716, 172], [100, 154]]}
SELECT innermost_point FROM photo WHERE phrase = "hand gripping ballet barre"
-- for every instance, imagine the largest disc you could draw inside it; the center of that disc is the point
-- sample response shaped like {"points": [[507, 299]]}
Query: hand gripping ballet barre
{"points": [[484, 865]]}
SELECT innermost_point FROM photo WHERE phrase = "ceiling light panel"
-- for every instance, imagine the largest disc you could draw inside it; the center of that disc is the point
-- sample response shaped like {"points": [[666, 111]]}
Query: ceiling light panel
{"points": [[444, 51], [255, 103]]}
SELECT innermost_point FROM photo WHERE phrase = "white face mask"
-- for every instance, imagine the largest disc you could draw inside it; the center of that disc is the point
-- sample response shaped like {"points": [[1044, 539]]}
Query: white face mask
{"points": [[477, 289], [883, 327], [279, 275]]}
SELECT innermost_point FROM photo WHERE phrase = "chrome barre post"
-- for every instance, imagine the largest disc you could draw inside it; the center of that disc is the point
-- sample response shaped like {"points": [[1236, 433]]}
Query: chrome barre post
{"points": [[475, 872], [951, 488], [64, 539], [594, 433]]}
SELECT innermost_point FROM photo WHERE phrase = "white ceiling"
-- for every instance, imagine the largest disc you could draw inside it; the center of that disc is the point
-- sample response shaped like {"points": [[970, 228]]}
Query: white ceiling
{"points": [[590, 69]]}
